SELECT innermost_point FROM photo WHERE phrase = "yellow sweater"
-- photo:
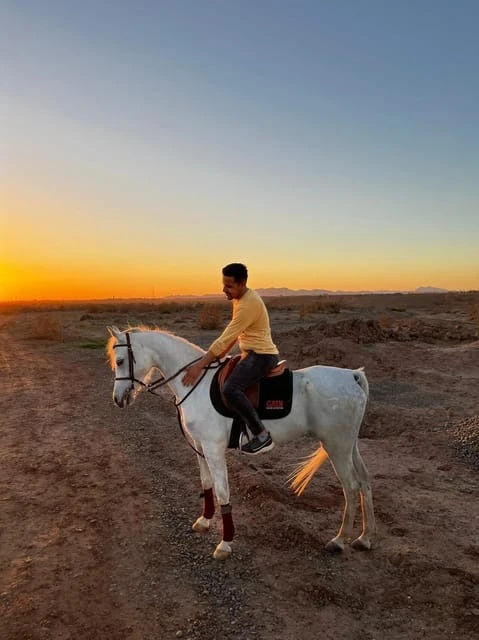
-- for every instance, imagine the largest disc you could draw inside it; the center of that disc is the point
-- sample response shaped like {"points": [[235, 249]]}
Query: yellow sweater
{"points": [[249, 325]]}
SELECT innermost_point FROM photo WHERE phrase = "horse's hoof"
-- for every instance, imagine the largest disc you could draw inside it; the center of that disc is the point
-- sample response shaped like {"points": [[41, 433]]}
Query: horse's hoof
{"points": [[201, 525], [222, 551], [361, 544], [334, 546]]}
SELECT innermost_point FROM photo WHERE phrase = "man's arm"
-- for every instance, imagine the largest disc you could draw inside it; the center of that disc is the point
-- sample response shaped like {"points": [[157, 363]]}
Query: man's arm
{"points": [[242, 319]]}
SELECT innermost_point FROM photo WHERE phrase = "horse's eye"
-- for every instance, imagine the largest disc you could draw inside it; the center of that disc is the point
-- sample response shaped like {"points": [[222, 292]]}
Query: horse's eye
{"points": [[119, 362]]}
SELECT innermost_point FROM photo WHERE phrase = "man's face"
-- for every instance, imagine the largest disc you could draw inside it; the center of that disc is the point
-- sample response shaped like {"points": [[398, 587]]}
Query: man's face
{"points": [[232, 289]]}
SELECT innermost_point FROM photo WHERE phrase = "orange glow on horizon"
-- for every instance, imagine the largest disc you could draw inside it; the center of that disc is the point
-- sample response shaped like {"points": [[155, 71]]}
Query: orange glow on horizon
{"points": [[57, 244], [94, 282], [47, 255]]}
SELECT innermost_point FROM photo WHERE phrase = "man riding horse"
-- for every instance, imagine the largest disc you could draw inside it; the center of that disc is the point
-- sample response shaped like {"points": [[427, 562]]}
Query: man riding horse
{"points": [[251, 327]]}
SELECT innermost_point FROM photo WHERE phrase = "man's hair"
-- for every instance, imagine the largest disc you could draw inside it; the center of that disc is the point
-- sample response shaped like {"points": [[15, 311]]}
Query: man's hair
{"points": [[237, 271]]}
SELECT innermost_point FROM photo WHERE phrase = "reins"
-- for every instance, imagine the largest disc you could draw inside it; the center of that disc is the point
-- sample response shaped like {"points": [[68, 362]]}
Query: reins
{"points": [[161, 382]]}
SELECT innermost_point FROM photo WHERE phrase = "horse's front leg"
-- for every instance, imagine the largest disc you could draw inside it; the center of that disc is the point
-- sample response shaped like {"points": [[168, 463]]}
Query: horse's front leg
{"points": [[202, 524], [216, 462]]}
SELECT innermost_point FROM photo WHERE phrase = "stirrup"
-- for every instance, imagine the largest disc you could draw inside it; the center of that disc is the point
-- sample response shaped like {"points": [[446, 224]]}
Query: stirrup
{"points": [[242, 436]]}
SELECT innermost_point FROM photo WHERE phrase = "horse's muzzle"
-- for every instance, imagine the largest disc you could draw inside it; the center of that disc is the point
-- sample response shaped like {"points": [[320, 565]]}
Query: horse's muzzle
{"points": [[123, 400]]}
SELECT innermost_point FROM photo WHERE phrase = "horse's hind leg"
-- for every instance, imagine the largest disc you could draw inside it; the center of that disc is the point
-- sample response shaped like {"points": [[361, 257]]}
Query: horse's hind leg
{"points": [[202, 524], [367, 537], [342, 462]]}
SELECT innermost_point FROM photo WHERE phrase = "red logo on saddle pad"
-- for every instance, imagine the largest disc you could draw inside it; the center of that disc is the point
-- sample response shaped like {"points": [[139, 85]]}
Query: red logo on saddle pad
{"points": [[274, 404]]}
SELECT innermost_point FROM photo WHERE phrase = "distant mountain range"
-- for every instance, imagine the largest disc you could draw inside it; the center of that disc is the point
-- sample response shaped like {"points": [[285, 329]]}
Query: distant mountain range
{"points": [[430, 290], [284, 291]]}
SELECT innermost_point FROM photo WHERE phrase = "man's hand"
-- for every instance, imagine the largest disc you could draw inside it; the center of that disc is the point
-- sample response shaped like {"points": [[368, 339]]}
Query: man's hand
{"points": [[193, 373]]}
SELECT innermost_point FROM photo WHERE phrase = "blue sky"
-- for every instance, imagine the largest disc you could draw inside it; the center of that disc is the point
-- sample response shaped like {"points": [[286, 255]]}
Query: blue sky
{"points": [[325, 144]]}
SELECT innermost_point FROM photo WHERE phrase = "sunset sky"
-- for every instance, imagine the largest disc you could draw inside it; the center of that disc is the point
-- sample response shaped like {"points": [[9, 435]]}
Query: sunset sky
{"points": [[326, 144]]}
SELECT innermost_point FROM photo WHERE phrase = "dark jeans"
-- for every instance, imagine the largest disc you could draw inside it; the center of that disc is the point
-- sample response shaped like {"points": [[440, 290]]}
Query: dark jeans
{"points": [[248, 371]]}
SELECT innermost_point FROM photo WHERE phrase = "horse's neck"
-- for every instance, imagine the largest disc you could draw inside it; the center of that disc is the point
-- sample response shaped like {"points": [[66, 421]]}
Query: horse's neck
{"points": [[170, 353]]}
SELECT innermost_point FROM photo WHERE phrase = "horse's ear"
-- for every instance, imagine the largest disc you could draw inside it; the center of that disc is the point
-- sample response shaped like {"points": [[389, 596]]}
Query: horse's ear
{"points": [[114, 331]]}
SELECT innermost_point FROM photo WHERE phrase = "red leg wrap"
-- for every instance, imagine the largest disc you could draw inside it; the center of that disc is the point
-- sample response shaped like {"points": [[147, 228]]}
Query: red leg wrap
{"points": [[228, 527], [208, 504]]}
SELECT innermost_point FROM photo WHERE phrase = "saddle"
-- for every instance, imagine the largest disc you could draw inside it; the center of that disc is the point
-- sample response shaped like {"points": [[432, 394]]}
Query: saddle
{"points": [[251, 392], [271, 397]]}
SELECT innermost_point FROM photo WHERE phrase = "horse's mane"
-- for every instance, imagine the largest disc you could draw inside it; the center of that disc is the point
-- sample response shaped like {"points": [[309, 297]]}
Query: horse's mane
{"points": [[141, 328]]}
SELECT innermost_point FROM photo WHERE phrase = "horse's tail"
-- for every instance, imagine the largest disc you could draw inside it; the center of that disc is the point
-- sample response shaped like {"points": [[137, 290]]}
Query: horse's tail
{"points": [[362, 381], [302, 476]]}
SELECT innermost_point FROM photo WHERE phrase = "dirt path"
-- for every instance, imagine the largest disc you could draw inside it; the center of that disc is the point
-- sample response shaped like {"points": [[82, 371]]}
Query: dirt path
{"points": [[96, 506]]}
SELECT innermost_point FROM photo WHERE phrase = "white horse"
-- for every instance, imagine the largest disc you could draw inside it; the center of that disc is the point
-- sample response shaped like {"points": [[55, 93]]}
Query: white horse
{"points": [[328, 402]]}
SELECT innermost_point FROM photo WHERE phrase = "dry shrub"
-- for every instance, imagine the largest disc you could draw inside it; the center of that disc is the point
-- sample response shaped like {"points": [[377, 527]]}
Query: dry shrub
{"points": [[321, 305], [94, 308], [327, 305], [474, 312], [303, 311], [47, 328], [385, 322], [210, 316], [333, 305]]}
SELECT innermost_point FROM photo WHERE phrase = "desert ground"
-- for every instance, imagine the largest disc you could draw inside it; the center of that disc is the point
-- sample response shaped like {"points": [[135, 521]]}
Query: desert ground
{"points": [[97, 503]]}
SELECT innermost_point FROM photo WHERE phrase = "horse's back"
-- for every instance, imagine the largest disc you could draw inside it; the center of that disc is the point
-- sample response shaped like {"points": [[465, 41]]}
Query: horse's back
{"points": [[331, 375], [333, 382], [334, 400]]}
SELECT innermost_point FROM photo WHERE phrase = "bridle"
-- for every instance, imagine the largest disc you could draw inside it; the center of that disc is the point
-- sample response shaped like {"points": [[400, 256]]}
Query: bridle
{"points": [[160, 382], [131, 365], [150, 386]]}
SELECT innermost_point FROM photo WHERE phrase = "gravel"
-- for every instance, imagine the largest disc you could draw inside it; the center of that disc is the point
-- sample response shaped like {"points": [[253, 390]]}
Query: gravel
{"points": [[225, 594], [465, 435]]}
